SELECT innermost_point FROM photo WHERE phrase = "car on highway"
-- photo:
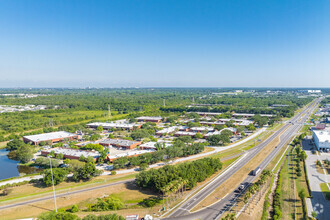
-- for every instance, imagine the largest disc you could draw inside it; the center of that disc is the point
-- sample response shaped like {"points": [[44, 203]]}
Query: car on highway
{"points": [[241, 187]]}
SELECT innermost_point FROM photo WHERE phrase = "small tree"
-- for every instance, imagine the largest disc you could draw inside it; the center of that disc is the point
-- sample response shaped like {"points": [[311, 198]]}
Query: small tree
{"points": [[59, 156], [82, 158], [74, 209], [314, 214], [302, 194], [143, 166], [99, 128], [199, 136]]}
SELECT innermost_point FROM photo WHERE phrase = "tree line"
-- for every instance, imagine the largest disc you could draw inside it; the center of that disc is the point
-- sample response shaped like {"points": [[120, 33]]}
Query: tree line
{"points": [[193, 172], [179, 149]]}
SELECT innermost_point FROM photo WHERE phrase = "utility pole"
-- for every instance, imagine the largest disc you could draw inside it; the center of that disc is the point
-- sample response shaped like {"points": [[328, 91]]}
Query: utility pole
{"points": [[109, 111], [51, 171]]}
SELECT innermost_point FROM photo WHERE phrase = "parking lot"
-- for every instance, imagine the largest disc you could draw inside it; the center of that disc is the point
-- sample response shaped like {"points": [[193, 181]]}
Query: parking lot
{"points": [[318, 203]]}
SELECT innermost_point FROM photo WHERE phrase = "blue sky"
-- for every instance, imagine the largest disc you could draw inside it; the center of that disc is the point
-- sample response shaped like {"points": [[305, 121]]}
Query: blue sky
{"points": [[162, 43]]}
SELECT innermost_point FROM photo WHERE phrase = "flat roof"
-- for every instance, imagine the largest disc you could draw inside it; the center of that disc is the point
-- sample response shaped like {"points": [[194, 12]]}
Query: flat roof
{"points": [[74, 152], [323, 136], [152, 144], [202, 129], [186, 133], [149, 118], [120, 142], [130, 153], [111, 125], [49, 136]]}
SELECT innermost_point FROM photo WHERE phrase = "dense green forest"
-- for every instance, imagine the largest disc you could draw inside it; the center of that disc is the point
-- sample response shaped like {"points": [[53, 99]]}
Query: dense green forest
{"points": [[79, 106]]}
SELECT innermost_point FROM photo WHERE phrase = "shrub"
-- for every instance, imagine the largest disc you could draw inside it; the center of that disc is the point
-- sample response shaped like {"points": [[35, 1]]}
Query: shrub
{"points": [[108, 203], [150, 202]]}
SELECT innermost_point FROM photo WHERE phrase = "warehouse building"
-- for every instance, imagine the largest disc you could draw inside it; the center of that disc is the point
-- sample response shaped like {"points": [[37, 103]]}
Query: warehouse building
{"points": [[110, 125], [152, 145], [201, 129], [322, 139], [133, 153], [185, 133], [156, 119], [127, 144], [52, 137], [170, 130], [247, 115], [69, 153]]}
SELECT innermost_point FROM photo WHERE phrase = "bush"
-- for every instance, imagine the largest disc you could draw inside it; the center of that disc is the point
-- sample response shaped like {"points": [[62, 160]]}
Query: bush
{"points": [[60, 215], [74, 209], [113, 172], [103, 217], [108, 203], [150, 202]]}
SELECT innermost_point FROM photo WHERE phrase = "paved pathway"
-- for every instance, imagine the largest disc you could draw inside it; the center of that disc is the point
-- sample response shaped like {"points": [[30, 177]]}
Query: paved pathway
{"points": [[318, 203]]}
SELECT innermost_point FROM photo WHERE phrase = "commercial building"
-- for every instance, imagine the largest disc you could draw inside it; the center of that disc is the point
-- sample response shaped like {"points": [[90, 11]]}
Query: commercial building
{"points": [[243, 115], [247, 115], [234, 130], [69, 153], [185, 133], [152, 145], [110, 125], [120, 143], [201, 129], [156, 119], [320, 126], [222, 121], [170, 130], [132, 153], [52, 137], [322, 139], [206, 113]]}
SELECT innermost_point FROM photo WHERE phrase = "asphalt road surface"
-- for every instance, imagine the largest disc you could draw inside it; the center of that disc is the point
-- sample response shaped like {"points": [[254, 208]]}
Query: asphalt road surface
{"points": [[291, 128], [64, 194]]}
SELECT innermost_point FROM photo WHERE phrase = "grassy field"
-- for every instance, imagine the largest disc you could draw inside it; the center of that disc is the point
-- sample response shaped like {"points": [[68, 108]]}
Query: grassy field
{"points": [[230, 184], [325, 190], [30, 191]]}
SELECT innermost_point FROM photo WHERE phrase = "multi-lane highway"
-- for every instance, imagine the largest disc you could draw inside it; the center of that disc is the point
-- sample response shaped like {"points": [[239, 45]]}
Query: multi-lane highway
{"points": [[289, 130]]}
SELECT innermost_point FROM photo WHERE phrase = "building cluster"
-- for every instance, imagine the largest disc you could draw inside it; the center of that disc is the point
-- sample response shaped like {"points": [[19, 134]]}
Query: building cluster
{"points": [[126, 148], [234, 115], [21, 108], [321, 131]]}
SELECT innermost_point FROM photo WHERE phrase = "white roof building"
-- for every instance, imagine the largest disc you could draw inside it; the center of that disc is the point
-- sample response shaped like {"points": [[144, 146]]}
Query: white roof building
{"points": [[72, 153], [201, 129], [219, 132], [151, 145], [52, 136], [109, 125], [322, 139]]}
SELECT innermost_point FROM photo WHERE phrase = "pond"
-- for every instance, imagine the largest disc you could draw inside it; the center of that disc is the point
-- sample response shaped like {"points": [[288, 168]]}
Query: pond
{"points": [[11, 168]]}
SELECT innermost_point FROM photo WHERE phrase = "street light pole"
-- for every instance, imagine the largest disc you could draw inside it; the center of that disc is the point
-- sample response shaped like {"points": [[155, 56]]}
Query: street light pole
{"points": [[51, 171]]}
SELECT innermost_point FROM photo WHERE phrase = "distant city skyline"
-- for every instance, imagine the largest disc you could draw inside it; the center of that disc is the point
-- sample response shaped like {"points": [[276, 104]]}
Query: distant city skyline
{"points": [[195, 43]]}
